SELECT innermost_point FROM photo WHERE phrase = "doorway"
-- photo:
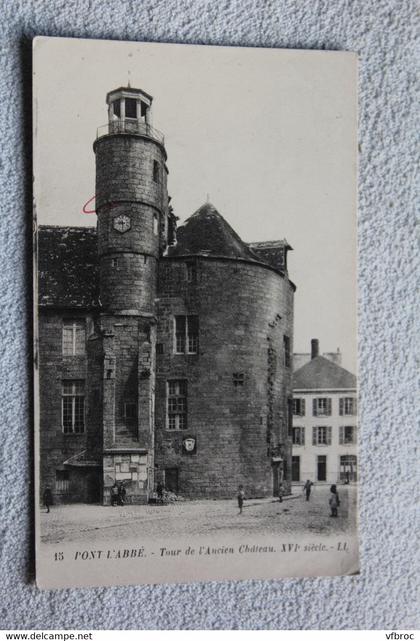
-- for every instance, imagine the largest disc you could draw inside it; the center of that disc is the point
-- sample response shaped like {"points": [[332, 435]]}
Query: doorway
{"points": [[295, 469], [171, 479], [276, 478], [348, 468], [322, 468]]}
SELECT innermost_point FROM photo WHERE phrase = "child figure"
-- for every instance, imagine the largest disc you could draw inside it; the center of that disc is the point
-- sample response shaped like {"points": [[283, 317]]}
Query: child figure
{"points": [[241, 496], [334, 500]]}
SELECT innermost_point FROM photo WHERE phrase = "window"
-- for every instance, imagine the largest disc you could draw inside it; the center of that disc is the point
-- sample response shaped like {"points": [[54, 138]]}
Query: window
{"points": [[62, 481], [348, 468], [290, 417], [177, 405], [130, 410], [299, 407], [130, 108], [73, 407], [191, 273], [155, 225], [155, 171], [186, 334], [321, 435], [159, 348], [298, 436], [348, 406], [347, 434], [74, 337], [238, 379], [117, 108], [286, 346], [321, 407]]}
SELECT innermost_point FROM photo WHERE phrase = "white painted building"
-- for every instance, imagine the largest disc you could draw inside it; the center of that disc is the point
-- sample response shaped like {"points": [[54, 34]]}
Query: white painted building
{"points": [[324, 420]]}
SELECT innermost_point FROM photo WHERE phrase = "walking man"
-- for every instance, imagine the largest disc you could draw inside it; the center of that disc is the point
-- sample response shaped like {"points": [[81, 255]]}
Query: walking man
{"points": [[47, 498], [334, 500], [307, 489]]}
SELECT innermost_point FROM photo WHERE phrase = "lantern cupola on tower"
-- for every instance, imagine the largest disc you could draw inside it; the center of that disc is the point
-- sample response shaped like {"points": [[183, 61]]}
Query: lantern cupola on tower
{"points": [[130, 111]]}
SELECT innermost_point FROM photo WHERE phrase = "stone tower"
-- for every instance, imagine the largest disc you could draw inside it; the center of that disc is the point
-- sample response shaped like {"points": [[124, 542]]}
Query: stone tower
{"points": [[132, 210]]}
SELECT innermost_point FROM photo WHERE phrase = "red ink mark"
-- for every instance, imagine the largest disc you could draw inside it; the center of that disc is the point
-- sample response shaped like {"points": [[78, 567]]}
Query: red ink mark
{"points": [[89, 211], [93, 211]]}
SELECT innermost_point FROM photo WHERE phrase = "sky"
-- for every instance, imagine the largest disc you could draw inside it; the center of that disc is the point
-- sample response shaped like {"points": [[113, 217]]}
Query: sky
{"points": [[267, 135]]}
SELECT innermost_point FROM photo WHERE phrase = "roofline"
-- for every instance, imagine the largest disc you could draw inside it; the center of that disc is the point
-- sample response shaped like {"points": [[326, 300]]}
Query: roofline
{"points": [[129, 90], [230, 258], [302, 390], [81, 228], [270, 244], [65, 308], [132, 134]]}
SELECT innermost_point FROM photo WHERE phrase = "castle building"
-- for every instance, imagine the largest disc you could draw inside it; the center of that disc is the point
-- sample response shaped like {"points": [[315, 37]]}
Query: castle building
{"points": [[165, 355], [324, 430]]}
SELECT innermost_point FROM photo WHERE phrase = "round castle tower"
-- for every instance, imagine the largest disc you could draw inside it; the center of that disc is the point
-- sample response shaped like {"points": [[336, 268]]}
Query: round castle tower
{"points": [[131, 203], [132, 209], [224, 364]]}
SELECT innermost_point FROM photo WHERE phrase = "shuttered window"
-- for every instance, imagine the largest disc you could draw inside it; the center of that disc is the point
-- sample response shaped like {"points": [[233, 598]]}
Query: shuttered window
{"points": [[298, 437], [299, 407], [321, 406], [348, 406], [322, 435], [347, 434]]}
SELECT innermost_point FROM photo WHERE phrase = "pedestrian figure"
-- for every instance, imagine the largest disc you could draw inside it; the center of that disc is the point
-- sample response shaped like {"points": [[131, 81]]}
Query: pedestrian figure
{"points": [[347, 478], [159, 492], [122, 493], [241, 496], [47, 498], [334, 500], [281, 492], [114, 494], [307, 489]]}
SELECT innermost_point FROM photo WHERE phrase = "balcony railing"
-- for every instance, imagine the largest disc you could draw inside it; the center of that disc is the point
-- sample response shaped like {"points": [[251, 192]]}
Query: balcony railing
{"points": [[130, 127]]}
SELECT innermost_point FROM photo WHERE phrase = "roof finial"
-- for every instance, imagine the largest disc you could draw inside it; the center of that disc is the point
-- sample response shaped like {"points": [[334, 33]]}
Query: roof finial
{"points": [[208, 198]]}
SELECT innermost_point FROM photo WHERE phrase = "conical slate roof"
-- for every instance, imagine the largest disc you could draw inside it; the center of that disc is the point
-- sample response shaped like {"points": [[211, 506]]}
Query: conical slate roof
{"points": [[321, 373], [207, 232]]}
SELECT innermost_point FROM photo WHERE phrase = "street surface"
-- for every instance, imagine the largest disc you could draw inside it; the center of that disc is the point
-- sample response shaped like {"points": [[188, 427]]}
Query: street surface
{"points": [[96, 523]]}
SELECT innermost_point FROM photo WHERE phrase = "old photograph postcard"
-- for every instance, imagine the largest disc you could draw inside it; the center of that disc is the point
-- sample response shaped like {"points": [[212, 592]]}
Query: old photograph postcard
{"points": [[195, 313]]}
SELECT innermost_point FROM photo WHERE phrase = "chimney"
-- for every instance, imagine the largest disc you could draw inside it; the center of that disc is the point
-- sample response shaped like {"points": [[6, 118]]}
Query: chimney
{"points": [[314, 348]]}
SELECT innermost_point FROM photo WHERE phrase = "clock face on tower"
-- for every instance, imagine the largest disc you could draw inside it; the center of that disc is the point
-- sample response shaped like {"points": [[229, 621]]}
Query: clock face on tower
{"points": [[122, 223]]}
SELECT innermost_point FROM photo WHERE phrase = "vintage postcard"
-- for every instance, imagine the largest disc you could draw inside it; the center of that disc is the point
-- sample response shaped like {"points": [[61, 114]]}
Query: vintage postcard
{"points": [[195, 313]]}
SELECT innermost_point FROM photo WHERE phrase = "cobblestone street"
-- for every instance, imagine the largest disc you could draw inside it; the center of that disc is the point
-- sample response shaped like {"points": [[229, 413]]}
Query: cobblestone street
{"points": [[95, 523]]}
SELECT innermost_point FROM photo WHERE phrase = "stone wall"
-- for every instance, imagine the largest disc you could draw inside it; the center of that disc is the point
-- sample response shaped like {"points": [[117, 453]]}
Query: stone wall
{"points": [[55, 446]]}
